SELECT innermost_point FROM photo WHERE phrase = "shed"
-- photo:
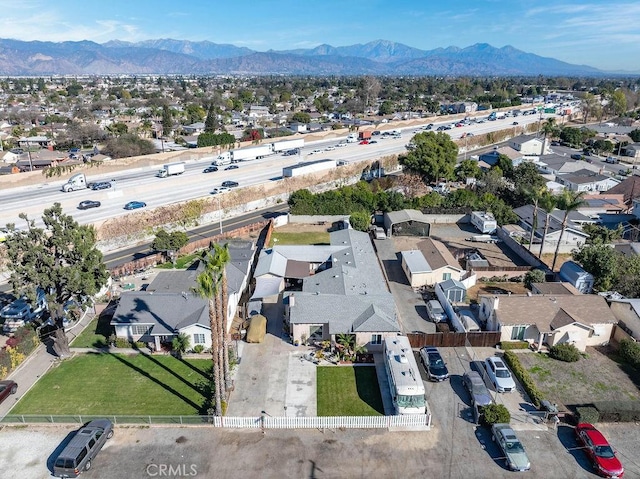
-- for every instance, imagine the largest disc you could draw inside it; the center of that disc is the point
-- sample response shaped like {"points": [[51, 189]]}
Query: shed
{"points": [[257, 329], [573, 273], [453, 290]]}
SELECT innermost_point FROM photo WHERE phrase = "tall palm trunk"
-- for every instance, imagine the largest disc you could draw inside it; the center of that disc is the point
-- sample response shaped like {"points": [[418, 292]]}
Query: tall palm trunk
{"points": [[214, 356], [534, 224], [225, 338], [544, 234], [220, 349], [564, 227]]}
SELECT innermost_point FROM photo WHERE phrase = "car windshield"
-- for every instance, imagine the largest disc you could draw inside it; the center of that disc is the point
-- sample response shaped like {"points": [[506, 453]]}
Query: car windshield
{"points": [[478, 388], [502, 373], [604, 451], [411, 401], [435, 360], [514, 447]]}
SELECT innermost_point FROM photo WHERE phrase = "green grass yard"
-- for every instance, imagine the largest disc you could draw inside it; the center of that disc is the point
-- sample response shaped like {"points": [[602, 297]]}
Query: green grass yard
{"points": [[114, 384], [96, 333], [348, 391], [310, 237]]}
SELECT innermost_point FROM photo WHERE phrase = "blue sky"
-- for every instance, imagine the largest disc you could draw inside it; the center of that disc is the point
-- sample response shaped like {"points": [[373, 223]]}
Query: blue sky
{"points": [[604, 35]]}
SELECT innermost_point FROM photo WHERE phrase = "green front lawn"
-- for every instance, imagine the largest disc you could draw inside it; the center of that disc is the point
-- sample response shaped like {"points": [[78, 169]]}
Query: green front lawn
{"points": [[96, 334], [115, 384], [311, 237], [348, 391]]}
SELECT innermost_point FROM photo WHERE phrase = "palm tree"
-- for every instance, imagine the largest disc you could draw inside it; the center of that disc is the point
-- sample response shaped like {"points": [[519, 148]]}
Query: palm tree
{"points": [[535, 194], [547, 202], [207, 288], [180, 344], [569, 201], [223, 257], [549, 127]]}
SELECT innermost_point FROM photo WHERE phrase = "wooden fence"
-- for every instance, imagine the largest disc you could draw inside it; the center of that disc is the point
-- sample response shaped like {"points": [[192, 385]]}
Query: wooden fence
{"points": [[264, 421], [482, 339]]}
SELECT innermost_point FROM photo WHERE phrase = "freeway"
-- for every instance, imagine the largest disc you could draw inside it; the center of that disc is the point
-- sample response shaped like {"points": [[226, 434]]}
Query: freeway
{"points": [[140, 184]]}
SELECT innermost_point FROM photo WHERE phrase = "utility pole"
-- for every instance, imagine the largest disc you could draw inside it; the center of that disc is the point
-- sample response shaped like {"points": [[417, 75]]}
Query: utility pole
{"points": [[29, 154]]}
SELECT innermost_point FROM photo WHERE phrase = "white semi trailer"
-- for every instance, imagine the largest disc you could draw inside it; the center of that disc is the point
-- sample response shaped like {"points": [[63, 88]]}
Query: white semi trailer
{"points": [[308, 167], [286, 145]]}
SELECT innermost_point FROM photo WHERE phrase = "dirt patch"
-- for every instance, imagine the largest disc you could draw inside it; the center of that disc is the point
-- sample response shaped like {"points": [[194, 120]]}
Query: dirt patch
{"points": [[495, 288], [303, 228], [594, 378]]}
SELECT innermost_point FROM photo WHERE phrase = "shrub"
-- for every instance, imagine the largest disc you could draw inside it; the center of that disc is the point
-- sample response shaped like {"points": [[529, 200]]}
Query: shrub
{"points": [[565, 352], [506, 345], [618, 411], [494, 414], [630, 352], [523, 377], [122, 343], [198, 348], [587, 414]]}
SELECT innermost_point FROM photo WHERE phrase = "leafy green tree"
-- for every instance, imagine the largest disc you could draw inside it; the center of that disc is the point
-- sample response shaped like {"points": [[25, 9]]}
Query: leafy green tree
{"points": [[169, 241], [386, 108], [627, 281], [635, 135], [601, 261], [467, 169], [118, 129], [301, 117], [568, 201], [302, 202], [211, 122], [194, 113], [180, 344], [506, 165], [526, 177], [61, 259], [602, 233], [360, 220], [127, 145], [573, 136], [433, 156], [215, 139], [461, 198], [618, 103], [533, 276]]}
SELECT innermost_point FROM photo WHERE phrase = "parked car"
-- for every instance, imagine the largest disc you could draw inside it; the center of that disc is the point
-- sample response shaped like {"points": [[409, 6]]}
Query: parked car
{"points": [[83, 448], [220, 189], [515, 123], [576, 156], [230, 184], [500, 375], [232, 167], [134, 205], [612, 159], [210, 169], [599, 451], [85, 205], [100, 185], [515, 455], [473, 382], [435, 311], [434, 364], [7, 388]]}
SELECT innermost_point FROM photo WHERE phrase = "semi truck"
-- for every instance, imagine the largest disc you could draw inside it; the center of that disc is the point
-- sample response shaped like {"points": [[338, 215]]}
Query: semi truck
{"points": [[75, 182], [286, 145], [307, 167], [243, 154], [171, 169], [364, 135], [352, 138]]}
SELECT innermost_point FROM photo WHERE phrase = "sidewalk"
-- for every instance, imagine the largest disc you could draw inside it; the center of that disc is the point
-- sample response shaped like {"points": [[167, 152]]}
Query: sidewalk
{"points": [[38, 363]]}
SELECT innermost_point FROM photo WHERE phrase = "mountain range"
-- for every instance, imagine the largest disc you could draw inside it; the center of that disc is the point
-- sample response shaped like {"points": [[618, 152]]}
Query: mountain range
{"points": [[168, 56]]}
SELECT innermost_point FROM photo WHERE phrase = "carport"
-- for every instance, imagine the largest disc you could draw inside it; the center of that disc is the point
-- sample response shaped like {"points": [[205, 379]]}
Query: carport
{"points": [[407, 223]]}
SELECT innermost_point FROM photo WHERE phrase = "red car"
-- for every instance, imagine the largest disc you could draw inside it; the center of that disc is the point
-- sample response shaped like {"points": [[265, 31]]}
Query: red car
{"points": [[599, 451], [7, 387], [364, 142]]}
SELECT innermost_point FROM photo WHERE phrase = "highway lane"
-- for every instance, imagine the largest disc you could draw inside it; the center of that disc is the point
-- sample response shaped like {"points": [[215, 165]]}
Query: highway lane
{"points": [[140, 184]]}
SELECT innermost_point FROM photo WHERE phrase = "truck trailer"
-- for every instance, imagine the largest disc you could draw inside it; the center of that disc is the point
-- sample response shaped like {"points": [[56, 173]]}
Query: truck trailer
{"points": [[286, 145], [243, 154], [364, 135], [171, 169], [307, 167]]}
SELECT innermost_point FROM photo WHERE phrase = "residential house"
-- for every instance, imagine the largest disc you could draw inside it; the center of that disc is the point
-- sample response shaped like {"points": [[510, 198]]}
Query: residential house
{"points": [[553, 165], [528, 145], [431, 263], [297, 127], [633, 150], [586, 180], [41, 141], [627, 312], [581, 320], [601, 204], [629, 248], [491, 158], [169, 306], [193, 128], [573, 236], [575, 275], [259, 111], [8, 157], [629, 188], [553, 288], [348, 295]]}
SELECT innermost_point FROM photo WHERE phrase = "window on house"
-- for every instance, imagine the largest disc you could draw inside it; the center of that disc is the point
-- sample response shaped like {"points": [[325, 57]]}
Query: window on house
{"points": [[198, 339], [517, 333], [376, 339], [139, 329], [446, 276]]}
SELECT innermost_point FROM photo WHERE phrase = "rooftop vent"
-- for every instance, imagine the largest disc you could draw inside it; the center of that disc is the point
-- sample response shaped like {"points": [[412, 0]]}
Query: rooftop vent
{"points": [[403, 359]]}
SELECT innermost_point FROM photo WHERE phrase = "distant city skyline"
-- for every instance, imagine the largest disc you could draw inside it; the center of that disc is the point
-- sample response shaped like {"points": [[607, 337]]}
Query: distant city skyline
{"points": [[586, 32]]}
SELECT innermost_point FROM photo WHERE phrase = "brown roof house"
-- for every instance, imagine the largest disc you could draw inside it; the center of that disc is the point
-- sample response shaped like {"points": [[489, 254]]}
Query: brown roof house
{"points": [[431, 263], [582, 320]]}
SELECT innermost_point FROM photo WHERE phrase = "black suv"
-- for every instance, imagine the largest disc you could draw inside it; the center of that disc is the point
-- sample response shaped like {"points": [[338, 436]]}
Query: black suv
{"points": [[101, 185], [230, 184]]}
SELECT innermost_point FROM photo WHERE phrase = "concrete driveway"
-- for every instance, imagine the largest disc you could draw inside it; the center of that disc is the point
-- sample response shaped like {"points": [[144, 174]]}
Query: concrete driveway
{"points": [[412, 310]]}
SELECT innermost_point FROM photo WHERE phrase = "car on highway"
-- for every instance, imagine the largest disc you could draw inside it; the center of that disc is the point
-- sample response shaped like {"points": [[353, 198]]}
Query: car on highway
{"points": [[364, 142], [372, 142], [434, 364], [340, 145], [516, 458], [210, 169], [376, 133], [87, 204], [515, 123], [499, 374], [220, 189], [100, 185], [134, 205], [601, 454], [7, 387], [429, 126], [473, 382], [330, 148], [230, 184], [231, 167], [315, 151]]}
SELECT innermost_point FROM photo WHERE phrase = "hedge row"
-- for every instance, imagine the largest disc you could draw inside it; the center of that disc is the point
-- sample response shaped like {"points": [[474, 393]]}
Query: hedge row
{"points": [[609, 411], [521, 373], [587, 414]]}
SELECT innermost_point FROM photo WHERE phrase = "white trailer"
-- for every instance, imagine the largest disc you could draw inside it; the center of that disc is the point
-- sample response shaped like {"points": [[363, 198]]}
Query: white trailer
{"points": [[171, 169], [484, 222], [286, 145], [308, 167], [252, 153]]}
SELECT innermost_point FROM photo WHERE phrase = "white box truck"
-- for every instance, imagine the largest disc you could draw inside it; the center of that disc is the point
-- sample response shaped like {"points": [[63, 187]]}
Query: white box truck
{"points": [[171, 169], [75, 182], [285, 145]]}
